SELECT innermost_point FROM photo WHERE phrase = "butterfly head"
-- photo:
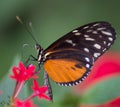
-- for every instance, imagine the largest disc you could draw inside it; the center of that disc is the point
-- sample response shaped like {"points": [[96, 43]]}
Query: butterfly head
{"points": [[38, 47]]}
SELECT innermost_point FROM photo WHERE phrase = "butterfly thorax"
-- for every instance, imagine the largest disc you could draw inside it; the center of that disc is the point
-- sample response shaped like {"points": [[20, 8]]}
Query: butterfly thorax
{"points": [[40, 55]]}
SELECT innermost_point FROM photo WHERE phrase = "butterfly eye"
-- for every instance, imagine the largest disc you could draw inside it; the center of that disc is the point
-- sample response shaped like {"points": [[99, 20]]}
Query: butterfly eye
{"points": [[38, 47]]}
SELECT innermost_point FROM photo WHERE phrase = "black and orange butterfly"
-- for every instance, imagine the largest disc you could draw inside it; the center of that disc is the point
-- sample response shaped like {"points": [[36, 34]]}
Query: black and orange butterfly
{"points": [[68, 60]]}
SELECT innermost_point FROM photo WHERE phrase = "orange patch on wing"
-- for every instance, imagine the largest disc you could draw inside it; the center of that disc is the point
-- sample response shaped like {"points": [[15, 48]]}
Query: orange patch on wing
{"points": [[62, 70]]}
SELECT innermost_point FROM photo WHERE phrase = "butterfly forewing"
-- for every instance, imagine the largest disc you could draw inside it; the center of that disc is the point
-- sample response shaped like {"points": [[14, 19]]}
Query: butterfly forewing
{"points": [[95, 37], [81, 46]]}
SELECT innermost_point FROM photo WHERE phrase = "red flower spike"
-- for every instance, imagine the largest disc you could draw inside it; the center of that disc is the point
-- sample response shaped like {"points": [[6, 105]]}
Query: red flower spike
{"points": [[40, 91], [20, 103], [22, 73]]}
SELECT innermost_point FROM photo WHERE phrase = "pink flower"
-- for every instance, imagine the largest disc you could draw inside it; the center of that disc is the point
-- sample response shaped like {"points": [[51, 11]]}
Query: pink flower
{"points": [[40, 91], [112, 103], [106, 66], [20, 103], [23, 73]]}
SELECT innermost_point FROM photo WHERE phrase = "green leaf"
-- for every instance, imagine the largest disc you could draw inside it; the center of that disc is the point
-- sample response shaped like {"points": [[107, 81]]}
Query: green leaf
{"points": [[102, 92]]}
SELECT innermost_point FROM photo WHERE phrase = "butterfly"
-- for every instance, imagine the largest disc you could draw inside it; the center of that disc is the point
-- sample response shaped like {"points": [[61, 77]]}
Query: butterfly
{"points": [[69, 59]]}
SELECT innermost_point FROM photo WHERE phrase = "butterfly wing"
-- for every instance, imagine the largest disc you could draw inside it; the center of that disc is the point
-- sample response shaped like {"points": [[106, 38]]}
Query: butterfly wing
{"points": [[69, 59]]}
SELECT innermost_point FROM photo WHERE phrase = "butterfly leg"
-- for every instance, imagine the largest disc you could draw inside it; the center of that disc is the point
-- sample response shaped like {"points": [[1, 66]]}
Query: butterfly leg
{"points": [[47, 83], [30, 58]]}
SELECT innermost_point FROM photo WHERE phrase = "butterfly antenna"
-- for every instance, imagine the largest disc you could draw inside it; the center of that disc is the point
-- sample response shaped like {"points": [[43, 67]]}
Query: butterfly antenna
{"points": [[30, 24]]}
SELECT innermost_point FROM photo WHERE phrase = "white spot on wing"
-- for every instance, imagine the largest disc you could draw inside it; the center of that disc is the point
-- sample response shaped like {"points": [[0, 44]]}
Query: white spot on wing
{"points": [[86, 36], [69, 84], [66, 85], [62, 84], [108, 44], [86, 27], [87, 59], [87, 65], [77, 34], [106, 33], [74, 31], [76, 83], [104, 50], [101, 28], [91, 39], [96, 54], [104, 42], [96, 24], [97, 46], [95, 32], [82, 79], [86, 49], [100, 36], [70, 42], [111, 39], [89, 31]]}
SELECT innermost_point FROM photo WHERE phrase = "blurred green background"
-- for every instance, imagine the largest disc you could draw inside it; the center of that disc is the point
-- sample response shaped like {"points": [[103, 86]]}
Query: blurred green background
{"points": [[51, 19]]}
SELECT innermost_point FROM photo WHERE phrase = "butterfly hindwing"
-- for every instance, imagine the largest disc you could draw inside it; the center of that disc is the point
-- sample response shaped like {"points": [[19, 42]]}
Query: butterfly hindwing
{"points": [[68, 67], [65, 72], [81, 47]]}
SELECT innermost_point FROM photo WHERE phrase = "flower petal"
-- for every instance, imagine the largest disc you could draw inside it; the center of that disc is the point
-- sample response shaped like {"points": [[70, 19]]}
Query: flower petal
{"points": [[44, 97], [40, 91], [23, 73], [20, 103]]}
